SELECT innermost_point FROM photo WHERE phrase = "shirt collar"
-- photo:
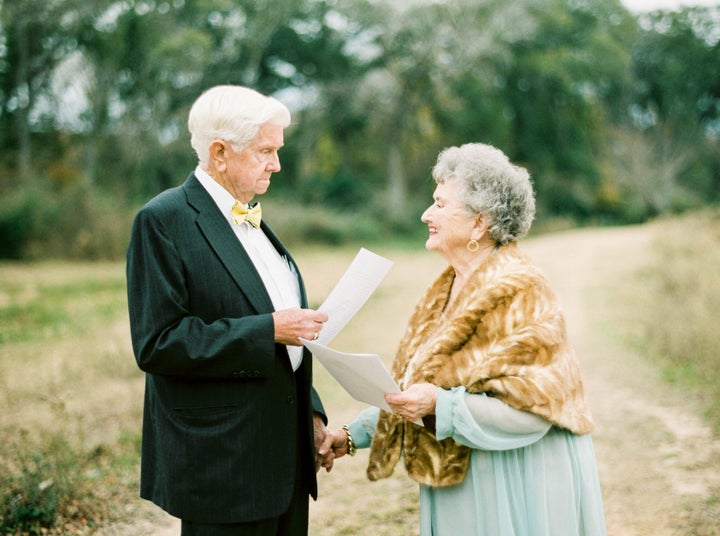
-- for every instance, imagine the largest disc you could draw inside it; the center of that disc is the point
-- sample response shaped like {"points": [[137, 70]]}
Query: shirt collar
{"points": [[223, 199]]}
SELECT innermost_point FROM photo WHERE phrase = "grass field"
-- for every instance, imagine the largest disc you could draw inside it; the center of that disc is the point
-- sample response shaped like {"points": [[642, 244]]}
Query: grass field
{"points": [[680, 302], [71, 394]]}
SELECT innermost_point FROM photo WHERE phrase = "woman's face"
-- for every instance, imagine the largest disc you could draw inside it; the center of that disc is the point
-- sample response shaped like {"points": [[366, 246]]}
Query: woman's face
{"points": [[450, 227]]}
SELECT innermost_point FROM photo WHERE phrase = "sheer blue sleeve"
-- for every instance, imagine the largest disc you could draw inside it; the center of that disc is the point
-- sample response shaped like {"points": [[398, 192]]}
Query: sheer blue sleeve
{"points": [[363, 427], [482, 422]]}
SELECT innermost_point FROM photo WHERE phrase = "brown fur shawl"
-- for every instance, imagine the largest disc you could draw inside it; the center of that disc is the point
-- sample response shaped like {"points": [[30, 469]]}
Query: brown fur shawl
{"points": [[504, 335]]}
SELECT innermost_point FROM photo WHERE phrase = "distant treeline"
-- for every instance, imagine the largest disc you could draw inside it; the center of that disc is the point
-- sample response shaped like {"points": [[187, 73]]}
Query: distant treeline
{"points": [[615, 114]]}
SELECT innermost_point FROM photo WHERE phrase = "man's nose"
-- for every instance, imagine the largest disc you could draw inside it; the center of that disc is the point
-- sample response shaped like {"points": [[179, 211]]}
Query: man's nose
{"points": [[274, 164]]}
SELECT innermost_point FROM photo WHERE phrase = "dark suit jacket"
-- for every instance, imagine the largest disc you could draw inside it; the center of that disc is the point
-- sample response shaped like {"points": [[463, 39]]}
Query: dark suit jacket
{"points": [[225, 416]]}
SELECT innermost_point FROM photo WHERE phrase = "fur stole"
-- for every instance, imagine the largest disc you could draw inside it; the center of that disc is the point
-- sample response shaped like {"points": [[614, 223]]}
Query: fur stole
{"points": [[504, 335]]}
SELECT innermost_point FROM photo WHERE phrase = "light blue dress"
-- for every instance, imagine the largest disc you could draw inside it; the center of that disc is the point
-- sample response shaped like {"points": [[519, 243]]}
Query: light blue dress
{"points": [[526, 477]]}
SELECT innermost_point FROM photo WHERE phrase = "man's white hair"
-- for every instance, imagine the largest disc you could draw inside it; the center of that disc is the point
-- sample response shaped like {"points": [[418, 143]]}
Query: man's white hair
{"points": [[234, 114]]}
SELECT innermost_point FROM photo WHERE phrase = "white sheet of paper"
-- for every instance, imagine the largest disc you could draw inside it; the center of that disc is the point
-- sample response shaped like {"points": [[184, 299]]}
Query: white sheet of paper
{"points": [[352, 291], [363, 376]]}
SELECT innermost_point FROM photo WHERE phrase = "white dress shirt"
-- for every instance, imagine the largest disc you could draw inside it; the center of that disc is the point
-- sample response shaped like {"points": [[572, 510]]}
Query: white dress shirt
{"points": [[277, 273]]}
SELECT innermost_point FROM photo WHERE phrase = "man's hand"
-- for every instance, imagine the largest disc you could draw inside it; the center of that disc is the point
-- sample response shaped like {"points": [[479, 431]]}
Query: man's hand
{"points": [[326, 459], [291, 325], [415, 403], [335, 444]]}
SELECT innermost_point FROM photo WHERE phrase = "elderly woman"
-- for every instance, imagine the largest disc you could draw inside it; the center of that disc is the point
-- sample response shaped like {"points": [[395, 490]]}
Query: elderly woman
{"points": [[486, 366]]}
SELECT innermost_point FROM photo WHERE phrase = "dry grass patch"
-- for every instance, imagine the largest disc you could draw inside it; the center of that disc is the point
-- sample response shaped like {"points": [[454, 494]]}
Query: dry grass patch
{"points": [[71, 398], [349, 503], [676, 304]]}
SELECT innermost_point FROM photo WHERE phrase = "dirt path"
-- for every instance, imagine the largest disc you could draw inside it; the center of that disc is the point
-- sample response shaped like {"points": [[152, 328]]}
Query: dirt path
{"points": [[659, 464]]}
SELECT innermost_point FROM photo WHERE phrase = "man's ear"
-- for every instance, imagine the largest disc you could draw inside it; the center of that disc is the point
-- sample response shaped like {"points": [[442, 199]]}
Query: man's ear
{"points": [[218, 153]]}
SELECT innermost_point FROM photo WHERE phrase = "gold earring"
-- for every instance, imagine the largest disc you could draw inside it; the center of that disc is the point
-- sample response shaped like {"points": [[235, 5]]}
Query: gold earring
{"points": [[473, 246]]}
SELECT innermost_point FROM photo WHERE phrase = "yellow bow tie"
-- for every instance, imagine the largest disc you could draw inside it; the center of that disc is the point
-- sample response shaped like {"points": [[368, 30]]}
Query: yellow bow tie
{"points": [[240, 214]]}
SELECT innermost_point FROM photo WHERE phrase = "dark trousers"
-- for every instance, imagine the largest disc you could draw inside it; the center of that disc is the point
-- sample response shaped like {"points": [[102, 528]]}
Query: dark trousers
{"points": [[294, 522]]}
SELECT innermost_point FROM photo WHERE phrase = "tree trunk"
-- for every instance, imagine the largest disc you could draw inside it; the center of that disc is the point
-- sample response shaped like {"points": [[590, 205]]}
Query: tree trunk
{"points": [[397, 184], [22, 84]]}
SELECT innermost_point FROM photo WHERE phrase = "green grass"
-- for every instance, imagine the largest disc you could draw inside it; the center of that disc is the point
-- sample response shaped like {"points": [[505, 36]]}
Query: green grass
{"points": [[46, 311]]}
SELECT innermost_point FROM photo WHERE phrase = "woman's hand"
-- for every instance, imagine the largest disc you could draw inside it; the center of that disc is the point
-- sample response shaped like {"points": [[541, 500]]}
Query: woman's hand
{"points": [[335, 445], [414, 403]]}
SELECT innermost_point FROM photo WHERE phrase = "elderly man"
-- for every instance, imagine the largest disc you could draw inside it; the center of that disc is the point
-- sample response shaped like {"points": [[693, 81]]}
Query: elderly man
{"points": [[217, 307]]}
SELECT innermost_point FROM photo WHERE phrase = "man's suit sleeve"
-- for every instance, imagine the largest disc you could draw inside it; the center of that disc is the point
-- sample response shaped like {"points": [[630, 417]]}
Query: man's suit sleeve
{"points": [[317, 405]]}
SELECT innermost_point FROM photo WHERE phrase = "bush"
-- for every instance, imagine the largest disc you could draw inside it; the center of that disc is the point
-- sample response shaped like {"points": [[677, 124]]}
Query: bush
{"points": [[83, 223], [299, 224], [76, 223], [15, 224], [58, 488], [34, 492]]}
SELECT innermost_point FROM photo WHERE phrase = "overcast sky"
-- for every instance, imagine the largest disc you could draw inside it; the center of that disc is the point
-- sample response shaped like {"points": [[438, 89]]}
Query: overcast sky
{"points": [[649, 5]]}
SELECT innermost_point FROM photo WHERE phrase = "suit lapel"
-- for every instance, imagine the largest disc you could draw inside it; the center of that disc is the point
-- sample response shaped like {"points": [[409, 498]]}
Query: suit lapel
{"points": [[228, 248]]}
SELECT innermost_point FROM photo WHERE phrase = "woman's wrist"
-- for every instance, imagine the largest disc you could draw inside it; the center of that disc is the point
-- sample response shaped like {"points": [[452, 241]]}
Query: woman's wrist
{"points": [[351, 449]]}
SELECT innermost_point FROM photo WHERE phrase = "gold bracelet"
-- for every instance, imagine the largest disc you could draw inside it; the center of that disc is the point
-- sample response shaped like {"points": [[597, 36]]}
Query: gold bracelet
{"points": [[351, 450]]}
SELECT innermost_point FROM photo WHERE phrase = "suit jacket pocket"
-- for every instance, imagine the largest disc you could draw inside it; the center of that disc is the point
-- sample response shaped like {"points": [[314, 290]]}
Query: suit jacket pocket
{"points": [[205, 416]]}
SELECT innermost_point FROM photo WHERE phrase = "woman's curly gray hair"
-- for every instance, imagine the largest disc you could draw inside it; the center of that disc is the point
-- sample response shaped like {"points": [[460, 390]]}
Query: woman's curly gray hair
{"points": [[490, 185]]}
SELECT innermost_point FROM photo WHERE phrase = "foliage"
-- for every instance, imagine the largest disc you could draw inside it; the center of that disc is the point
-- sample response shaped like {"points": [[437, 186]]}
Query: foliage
{"points": [[15, 225], [45, 483], [676, 64], [56, 487], [299, 225], [616, 115], [559, 93], [29, 502], [80, 221]]}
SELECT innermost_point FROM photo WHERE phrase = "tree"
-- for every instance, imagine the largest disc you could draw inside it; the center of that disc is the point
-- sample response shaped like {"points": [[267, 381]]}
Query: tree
{"points": [[37, 35], [676, 60], [559, 91]]}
